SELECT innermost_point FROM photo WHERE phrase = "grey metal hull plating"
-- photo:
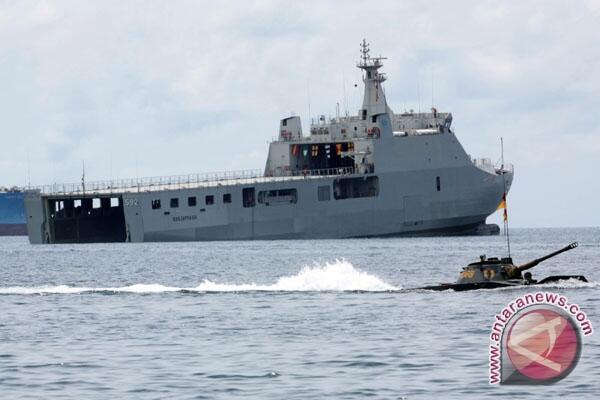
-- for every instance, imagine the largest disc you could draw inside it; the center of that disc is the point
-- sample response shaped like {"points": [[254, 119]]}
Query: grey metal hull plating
{"points": [[401, 208]]}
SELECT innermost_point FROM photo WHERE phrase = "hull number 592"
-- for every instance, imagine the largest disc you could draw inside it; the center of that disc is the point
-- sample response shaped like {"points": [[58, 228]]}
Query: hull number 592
{"points": [[131, 202]]}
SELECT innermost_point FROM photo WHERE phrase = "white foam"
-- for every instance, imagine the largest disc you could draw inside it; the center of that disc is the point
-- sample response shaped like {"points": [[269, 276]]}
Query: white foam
{"points": [[145, 288], [43, 289], [570, 284], [562, 284], [336, 276], [64, 289]]}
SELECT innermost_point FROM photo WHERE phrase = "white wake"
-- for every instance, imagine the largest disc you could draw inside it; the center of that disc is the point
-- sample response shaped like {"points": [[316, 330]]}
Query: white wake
{"points": [[336, 276]]}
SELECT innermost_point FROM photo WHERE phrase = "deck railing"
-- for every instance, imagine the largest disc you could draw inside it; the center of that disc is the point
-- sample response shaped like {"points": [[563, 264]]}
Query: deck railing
{"points": [[487, 165], [183, 181]]}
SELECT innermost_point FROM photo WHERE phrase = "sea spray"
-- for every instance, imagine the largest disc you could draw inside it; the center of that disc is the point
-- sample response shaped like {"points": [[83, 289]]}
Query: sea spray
{"points": [[339, 275]]}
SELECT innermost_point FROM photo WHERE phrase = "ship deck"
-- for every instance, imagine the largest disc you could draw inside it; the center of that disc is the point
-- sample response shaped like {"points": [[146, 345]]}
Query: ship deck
{"points": [[179, 182]]}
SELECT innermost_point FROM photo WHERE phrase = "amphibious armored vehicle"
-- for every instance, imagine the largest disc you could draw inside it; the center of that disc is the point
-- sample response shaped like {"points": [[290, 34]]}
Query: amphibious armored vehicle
{"points": [[490, 273]]}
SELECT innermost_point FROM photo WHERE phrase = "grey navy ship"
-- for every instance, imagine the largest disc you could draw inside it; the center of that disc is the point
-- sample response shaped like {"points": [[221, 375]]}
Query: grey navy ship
{"points": [[377, 173]]}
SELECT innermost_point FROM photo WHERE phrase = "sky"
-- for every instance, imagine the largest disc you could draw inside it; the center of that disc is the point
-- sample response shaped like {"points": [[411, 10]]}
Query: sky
{"points": [[154, 88]]}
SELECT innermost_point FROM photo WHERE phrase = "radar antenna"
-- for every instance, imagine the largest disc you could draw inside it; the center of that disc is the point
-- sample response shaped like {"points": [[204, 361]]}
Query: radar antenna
{"points": [[367, 62]]}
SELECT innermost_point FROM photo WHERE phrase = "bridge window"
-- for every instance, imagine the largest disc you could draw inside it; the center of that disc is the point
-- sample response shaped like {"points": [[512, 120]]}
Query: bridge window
{"points": [[248, 199], [174, 202], [209, 200], [95, 203], [114, 202], [227, 198], [352, 188], [156, 204], [192, 201], [278, 197], [438, 183], [323, 193]]}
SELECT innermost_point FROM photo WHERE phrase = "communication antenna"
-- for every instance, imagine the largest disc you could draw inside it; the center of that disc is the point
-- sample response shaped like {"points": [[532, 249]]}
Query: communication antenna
{"points": [[504, 196], [28, 170], [308, 95], [345, 95], [419, 93], [137, 171], [432, 104], [364, 50], [83, 175]]}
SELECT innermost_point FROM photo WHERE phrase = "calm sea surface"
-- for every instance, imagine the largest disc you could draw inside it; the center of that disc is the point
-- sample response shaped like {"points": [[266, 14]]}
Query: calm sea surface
{"points": [[271, 320]]}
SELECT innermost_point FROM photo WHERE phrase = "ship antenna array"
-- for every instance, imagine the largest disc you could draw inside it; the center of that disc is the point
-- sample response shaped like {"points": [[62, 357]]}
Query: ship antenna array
{"points": [[364, 49], [504, 196]]}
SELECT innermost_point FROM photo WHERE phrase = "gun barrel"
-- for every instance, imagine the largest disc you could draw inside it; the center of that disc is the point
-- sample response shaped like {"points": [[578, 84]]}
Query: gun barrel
{"points": [[535, 262]]}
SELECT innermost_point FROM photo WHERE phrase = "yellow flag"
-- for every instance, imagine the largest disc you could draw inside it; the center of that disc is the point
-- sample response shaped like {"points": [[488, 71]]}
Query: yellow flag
{"points": [[502, 203]]}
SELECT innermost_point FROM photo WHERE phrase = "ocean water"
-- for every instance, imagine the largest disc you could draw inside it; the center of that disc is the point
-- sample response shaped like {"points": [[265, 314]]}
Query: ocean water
{"points": [[272, 319]]}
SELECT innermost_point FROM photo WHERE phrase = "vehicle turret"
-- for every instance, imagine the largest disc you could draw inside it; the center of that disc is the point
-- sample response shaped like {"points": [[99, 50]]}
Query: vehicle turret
{"points": [[498, 270]]}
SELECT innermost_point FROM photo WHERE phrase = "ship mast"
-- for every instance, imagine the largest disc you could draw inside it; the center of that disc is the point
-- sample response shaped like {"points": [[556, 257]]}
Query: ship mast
{"points": [[505, 217], [374, 101]]}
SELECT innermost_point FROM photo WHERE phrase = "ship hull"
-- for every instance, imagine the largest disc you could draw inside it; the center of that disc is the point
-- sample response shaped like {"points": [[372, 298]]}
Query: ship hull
{"points": [[447, 227], [461, 287], [374, 174], [406, 203]]}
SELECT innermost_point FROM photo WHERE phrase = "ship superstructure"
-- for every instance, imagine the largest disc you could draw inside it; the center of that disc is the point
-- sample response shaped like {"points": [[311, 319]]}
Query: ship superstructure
{"points": [[348, 142], [373, 174]]}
